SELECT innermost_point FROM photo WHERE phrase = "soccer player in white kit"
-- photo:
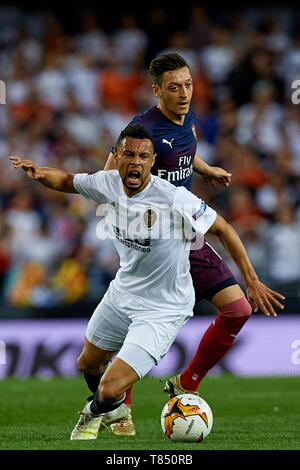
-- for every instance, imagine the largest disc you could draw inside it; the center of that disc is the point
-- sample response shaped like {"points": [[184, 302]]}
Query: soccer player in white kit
{"points": [[153, 224]]}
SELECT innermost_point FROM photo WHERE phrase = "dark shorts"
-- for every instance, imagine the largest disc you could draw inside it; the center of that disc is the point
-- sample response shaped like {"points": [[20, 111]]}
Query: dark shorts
{"points": [[209, 273]]}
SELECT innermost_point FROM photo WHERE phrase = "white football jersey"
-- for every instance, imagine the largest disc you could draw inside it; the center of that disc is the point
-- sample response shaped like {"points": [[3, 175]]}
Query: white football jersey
{"points": [[153, 232]]}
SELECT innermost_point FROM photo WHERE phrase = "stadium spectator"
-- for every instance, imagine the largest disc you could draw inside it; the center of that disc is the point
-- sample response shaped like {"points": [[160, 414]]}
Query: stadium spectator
{"points": [[129, 41], [269, 196], [199, 28], [283, 242], [179, 43], [289, 66], [82, 77], [260, 121], [119, 86], [218, 56], [92, 40], [51, 83], [292, 132], [157, 28]]}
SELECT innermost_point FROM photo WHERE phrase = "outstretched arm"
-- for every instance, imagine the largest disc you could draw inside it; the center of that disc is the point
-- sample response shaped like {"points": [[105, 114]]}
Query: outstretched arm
{"points": [[259, 295], [53, 178], [215, 175]]}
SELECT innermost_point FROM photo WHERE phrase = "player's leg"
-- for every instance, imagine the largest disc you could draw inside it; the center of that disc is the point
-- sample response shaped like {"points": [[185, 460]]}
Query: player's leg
{"points": [[116, 380], [108, 400], [214, 281], [92, 366], [105, 407], [113, 385], [234, 311], [89, 364], [92, 360], [156, 333], [131, 363], [105, 335]]}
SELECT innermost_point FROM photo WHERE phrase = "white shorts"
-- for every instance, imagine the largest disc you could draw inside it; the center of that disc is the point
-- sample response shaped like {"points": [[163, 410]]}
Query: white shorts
{"points": [[113, 324]]}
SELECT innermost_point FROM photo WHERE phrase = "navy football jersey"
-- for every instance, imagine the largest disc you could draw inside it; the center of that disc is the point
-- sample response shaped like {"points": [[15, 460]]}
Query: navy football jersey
{"points": [[175, 145]]}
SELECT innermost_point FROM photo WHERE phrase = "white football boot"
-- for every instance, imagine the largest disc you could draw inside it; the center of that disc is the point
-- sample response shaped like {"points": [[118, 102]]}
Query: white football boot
{"points": [[87, 426]]}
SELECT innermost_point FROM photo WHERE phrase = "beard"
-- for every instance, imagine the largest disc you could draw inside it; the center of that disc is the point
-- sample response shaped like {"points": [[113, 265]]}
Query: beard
{"points": [[134, 188]]}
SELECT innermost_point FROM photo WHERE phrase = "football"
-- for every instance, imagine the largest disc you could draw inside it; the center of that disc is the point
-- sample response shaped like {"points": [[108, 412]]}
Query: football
{"points": [[186, 418]]}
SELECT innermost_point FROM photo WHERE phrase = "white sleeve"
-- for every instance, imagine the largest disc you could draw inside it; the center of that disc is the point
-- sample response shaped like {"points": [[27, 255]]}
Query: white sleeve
{"points": [[198, 216], [91, 186]]}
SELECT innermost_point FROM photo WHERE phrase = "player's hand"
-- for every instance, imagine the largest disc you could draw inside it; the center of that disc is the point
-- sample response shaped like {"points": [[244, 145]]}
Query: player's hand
{"points": [[31, 169], [262, 297], [218, 177]]}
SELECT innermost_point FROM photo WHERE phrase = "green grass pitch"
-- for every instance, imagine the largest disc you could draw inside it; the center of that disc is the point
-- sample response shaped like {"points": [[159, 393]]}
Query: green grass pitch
{"points": [[249, 414]]}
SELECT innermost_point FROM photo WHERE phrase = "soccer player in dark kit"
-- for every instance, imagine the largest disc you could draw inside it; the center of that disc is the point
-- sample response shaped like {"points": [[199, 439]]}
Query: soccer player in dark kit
{"points": [[172, 125]]}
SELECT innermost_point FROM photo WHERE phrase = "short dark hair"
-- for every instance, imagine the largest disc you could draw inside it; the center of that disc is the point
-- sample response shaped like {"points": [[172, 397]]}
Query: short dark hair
{"points": [[165, 63], [137, 131]]}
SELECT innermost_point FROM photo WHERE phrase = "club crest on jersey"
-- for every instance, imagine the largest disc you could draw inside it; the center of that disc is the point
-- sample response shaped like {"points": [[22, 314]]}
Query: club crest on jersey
{"points": [[150, 217], [194, 131]]}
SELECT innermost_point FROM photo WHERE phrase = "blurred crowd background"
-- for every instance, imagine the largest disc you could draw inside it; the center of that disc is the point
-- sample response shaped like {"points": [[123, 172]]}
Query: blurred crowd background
{"points": [[74, 81]]}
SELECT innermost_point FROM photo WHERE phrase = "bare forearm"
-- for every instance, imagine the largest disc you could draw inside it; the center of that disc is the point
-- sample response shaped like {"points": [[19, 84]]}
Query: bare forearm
{"points": [[238, 252], [233, 244], [215, 175], [259, 295], [200, 166], [57, 179], [53, 178]]}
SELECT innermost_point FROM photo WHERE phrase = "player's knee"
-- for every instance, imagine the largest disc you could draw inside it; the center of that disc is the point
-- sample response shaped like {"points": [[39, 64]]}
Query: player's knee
{"points": [[237, 309], [85, 366], [246, 309], [243, 308], [82, 364]]}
